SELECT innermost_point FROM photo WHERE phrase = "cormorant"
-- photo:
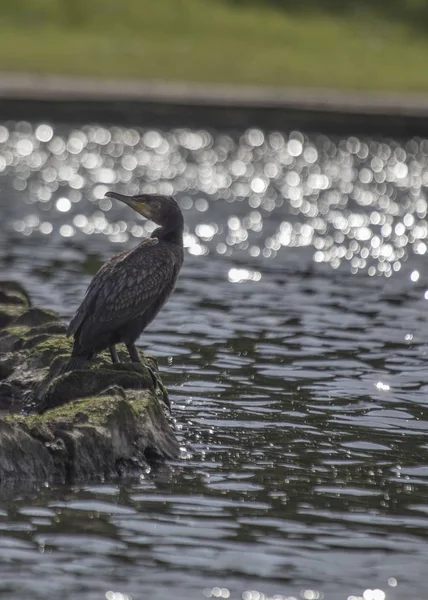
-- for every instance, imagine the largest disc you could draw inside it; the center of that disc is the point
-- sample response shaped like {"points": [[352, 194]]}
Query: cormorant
{"points": [[129, 290]]}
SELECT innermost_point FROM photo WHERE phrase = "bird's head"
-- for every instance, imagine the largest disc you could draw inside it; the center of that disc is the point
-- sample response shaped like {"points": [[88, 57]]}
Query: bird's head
{"points": [[162, 210]]}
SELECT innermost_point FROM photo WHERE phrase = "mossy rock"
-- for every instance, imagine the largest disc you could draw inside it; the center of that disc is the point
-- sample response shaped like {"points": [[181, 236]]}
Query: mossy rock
{"points": [[94, 380], [99, 422], [9, 312], [12, 292], [7, 365], [35, 317], [44, 348], [94, 438], [11, 286], [14, 301], [16, 334]]}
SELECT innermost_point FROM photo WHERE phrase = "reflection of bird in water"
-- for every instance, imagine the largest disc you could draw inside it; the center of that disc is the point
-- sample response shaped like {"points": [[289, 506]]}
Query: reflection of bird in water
{"points": [[129, 290]]}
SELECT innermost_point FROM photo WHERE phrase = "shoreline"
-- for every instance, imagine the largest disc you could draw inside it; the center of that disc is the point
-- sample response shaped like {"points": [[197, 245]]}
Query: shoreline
{"points": [[75, 99]]}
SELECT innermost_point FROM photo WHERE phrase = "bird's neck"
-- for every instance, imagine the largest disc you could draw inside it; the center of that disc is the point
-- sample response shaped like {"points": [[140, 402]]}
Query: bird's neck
{"points": [[172, 234]]}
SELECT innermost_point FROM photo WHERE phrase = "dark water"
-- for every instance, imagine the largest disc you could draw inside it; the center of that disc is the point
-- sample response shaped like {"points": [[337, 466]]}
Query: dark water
{"points": [[294, 350]]}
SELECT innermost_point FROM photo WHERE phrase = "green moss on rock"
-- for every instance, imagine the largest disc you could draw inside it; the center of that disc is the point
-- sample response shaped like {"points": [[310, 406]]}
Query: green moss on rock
{"points": [[18, 331], [11, 297], [12, 292], [93, 381], [96, 411], [101, 421], [48, 348], [9, 313]]}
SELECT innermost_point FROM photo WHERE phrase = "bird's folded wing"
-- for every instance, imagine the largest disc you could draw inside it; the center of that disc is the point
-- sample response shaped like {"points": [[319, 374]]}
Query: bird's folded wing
{"points": [[122, 291], [87, 305]]}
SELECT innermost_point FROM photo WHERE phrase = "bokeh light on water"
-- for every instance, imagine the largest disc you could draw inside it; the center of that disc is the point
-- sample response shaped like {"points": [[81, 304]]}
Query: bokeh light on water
{"points": [[353, 202], [294, 350]]}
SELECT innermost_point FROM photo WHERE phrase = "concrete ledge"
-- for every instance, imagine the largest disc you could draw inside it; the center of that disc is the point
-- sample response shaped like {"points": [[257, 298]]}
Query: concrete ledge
{"points": [[177, 104]]}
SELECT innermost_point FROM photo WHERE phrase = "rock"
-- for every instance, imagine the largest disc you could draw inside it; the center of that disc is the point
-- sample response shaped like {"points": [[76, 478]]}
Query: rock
{"points": [[22, 457], [94, 438], [93, 381], [12, 292], [34, 317], [103, 421], [9, 312], [14, 300]]}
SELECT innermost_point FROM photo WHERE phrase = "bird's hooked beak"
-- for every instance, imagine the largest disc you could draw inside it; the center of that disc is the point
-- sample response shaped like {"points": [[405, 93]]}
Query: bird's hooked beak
{"points": [[139, 205]]}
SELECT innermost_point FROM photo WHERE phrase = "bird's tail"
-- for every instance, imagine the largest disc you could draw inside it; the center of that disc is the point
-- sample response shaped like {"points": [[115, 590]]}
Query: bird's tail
{"points": [[75, 362]]}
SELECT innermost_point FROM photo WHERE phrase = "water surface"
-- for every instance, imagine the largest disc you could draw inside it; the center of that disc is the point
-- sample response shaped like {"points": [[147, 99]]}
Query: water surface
{"points": [[294, 350]]}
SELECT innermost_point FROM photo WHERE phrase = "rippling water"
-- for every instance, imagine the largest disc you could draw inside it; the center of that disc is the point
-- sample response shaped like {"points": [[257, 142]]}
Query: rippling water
{"points": [[294, 350]]}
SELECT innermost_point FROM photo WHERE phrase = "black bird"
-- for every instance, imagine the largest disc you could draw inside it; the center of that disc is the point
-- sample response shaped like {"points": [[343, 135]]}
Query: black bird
{"points": [[129, 290]]}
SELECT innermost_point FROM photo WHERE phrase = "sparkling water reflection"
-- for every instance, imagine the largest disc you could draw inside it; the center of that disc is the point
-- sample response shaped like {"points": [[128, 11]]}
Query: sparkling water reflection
{"points": [[294, 350]]}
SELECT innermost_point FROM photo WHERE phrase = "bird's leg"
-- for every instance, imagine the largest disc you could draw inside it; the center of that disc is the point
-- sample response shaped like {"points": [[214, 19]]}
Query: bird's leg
{"points": [[113, 354], [135, 357], [133, 352]]}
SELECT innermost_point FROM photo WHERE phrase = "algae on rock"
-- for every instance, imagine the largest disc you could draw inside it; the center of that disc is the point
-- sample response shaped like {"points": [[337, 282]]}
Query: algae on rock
{"points": [[100, 422]]}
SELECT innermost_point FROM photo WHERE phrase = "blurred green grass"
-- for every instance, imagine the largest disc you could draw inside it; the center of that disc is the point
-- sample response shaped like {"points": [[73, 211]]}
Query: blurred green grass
{"points": [[214, 41]]}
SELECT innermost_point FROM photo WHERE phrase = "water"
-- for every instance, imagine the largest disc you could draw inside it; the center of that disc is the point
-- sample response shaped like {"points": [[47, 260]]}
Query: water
{"points": [[294, 350]]}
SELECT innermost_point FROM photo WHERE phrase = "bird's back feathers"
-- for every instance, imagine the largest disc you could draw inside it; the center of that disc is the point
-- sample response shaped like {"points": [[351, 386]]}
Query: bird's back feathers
{"points": [[124, 288]]}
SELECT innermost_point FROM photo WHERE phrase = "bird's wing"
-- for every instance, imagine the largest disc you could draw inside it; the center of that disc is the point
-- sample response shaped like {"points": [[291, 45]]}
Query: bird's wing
{"points": [[92, 292], [126, 290]]}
